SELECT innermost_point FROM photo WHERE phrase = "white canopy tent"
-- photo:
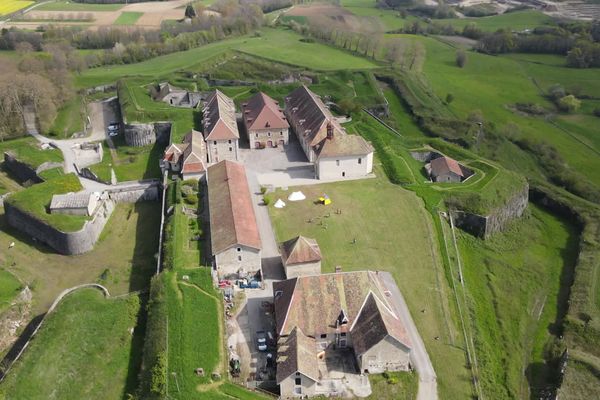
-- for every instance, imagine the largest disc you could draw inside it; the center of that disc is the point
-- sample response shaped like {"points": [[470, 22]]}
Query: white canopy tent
{"points": [[296, 196]]}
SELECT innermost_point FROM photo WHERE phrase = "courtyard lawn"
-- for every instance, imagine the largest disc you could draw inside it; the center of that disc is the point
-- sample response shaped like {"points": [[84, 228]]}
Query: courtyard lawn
{"points": [[28, 151], [384, 227], [84, 350], [70, 118], [122, 260], [274, 44], [10, 6], [128, 18], [65, 5], [9, 288]]}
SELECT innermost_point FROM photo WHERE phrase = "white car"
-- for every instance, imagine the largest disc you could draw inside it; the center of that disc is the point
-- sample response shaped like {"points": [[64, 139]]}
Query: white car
{"points": [[261, 340]]}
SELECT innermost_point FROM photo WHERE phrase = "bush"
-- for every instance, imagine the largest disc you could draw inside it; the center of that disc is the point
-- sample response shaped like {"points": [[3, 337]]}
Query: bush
{"points": [[449, 98], [266, 200], [191, 199], [569, 103], [263, 190]]}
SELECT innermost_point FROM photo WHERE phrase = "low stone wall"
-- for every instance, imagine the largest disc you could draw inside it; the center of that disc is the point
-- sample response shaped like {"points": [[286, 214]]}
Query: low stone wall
{"points": [[486, 225], [67, 243]]}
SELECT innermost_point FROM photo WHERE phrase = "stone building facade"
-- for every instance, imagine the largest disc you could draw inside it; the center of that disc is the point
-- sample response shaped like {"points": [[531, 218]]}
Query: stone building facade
{"points": [[220, 128], [264, 122]]}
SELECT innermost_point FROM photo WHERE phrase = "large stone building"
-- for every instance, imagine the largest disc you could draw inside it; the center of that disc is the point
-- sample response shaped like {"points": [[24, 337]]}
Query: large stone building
{"points": [[220, 128], [326, 144], [323, 318], [264, 122], [234, 236], [300, 256], [188, 158]]}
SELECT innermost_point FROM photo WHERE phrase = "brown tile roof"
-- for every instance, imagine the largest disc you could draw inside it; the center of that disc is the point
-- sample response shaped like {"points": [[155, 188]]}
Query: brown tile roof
{"points": [[297, 353], [342, 144], [374, 323], [219, 122], [316, 301], [262, 112], [232, 218], [306, 109], [194, 154], [174, 151], [300, 250], [443, 165]]}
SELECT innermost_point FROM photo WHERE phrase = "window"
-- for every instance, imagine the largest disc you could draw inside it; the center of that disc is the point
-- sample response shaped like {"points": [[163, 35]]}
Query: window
{"points": [[297, 373], [256, 135], [229, 141], [239, 258], [281, 133], [343, 334], [239, 249], [269, 134], [337, 162], [298, 381], [359, 160], [215, 142], [231, 149], [323, 335], [279, 293]]}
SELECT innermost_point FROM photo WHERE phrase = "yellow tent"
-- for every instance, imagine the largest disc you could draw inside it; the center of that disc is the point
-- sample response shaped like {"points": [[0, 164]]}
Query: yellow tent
{"points": [[325, 200]]}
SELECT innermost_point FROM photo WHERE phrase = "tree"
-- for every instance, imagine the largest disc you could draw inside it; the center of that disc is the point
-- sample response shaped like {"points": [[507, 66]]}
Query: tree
{"points": [[569, 103], [461, 58], [556, 92], [449, 98], [190, 11]]}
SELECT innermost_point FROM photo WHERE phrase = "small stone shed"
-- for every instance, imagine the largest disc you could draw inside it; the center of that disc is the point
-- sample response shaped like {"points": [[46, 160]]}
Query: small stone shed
{"points": [[83, 203], [300, 256]]}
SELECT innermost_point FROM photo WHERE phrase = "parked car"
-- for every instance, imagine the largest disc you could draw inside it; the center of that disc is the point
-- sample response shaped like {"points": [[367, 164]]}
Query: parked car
{"points": [[245, 284], [261, 341]]}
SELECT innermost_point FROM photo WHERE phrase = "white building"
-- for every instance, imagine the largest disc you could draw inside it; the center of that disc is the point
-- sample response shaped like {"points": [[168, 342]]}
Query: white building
{"points": [[220, 128]]}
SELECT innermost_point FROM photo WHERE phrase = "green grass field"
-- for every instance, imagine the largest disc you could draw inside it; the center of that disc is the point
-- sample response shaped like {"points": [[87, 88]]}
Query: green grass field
{"points": [[70, 118], [84, 350], [406, 249], [513, 283], [128, 18], [9, 288], [10, 6], [517, 21], [274, 44], [122, 260], [366, 8], [27, 150], [64, 5]]}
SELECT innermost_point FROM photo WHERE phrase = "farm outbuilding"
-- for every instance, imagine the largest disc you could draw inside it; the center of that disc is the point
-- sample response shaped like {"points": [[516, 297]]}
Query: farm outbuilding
{"points": [[300, 256]]}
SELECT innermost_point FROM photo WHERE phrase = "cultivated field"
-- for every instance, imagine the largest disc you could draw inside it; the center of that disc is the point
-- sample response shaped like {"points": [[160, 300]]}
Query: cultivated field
{"points": [[86, 349], [10, 6]]}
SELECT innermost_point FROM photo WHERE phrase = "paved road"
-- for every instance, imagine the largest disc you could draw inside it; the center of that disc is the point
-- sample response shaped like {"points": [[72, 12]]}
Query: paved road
{"points": [[419, 357]]}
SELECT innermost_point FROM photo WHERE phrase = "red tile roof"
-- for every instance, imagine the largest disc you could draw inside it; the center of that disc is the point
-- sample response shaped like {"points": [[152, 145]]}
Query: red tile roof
{"points": [[300, 250], [219, 122], [232, 218], [262, 112], [443, 165]]}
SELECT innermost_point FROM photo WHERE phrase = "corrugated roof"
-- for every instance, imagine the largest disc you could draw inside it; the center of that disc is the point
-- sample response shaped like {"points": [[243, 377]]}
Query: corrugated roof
{"points": [[261, 112], [232, 218], [443, 165], [297, 353], [300, 250], [70, 200], [219, 122]]}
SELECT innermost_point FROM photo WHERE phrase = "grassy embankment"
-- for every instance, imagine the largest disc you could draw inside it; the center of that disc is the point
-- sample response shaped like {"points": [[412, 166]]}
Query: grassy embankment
{"points": [[273, 44], [85, 349], [9, 288], [27, 150], [69, 119], [185, 308]]}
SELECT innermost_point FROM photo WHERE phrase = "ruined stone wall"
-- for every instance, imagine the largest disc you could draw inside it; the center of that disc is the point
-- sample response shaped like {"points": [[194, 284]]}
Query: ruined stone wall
{"points": [[67, 243], [486, 225], [139, 135]]}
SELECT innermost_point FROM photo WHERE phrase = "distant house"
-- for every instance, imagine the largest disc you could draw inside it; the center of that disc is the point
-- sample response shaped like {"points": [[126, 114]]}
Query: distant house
{"points": [[220, 128], [234, 236], [445, 169], [188, 158], [300, 256], [326, 144], [321, 318], [176, 96], [82, 203], [264, 122]]}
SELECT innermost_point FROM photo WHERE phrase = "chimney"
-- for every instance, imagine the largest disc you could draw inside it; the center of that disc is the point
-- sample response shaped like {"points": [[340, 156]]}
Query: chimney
{"points": [[329, 130]]}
